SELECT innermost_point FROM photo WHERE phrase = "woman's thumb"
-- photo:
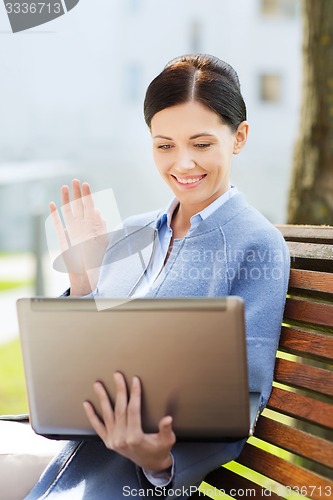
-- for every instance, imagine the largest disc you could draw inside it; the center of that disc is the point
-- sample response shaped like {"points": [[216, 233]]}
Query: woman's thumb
{"points": [[165, 424]]}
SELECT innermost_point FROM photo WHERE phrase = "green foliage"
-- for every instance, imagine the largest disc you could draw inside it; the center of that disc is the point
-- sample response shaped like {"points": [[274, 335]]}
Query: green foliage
{"points": [[10, 285], [12, 386]]}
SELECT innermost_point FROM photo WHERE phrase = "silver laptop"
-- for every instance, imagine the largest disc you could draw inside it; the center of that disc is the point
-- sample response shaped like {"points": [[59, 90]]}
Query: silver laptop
{"points": [[190, 355]]}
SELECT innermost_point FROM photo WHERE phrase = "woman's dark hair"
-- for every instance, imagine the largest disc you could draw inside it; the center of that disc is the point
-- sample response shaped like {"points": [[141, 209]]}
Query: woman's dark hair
{"points": [[198, 77]]}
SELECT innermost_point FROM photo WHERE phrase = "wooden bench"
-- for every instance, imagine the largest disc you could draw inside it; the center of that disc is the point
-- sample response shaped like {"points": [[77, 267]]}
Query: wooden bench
{"points": [[292, 449], [299, 418]]}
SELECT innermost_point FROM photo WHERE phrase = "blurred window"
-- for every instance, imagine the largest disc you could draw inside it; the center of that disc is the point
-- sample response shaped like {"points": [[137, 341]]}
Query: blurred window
{"points": [[195, 36], [133, 82], [270, 87], [279, 8]]}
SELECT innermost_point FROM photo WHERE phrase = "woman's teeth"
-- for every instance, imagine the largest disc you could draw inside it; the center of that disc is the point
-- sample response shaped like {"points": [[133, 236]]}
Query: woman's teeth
{"points": [[189, 181]]}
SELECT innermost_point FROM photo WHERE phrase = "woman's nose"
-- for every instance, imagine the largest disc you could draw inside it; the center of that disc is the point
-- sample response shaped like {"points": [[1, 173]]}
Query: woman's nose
{"points": [[184, 161]]}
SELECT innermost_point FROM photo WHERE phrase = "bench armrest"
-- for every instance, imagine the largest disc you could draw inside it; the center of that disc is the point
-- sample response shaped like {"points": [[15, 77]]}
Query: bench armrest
{"points": [[23, 457]]}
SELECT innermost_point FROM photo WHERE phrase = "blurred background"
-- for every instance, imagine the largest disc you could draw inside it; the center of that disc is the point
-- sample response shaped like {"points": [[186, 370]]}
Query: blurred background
{"points": [[71, 95]]}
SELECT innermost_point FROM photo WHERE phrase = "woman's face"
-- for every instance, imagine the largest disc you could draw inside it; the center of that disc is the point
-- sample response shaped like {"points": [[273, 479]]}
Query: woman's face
{"points": [[193, 151]]}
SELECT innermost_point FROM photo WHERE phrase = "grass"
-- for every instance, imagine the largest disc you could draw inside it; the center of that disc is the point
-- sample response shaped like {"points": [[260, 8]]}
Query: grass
{"points": [[12, 386], [10, 285]]}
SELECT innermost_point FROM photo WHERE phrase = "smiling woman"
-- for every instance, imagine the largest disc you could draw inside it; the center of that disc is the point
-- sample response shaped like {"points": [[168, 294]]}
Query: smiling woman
{"points": [[197, 118], [193, 149]]}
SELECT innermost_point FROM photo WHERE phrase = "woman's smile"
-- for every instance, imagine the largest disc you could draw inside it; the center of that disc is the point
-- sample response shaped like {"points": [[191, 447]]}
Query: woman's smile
{"points": [[189, 182]]}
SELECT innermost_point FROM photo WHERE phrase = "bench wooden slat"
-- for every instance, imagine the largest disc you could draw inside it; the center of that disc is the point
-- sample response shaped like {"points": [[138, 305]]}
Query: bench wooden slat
{"points": [[311, 280], [284, 472], [309, 311], [306, 233], [231, 481], [316, 251], [301, 407], [304, 343], [304, 376], [307, 332], [296, 441]]}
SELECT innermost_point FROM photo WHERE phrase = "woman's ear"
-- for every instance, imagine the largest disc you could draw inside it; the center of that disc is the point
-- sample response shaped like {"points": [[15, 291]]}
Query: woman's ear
{"points": [[240, 137]]}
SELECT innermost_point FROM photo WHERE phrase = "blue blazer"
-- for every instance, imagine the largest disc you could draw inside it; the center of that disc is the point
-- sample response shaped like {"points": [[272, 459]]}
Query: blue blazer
{"points": [[235, 251]]}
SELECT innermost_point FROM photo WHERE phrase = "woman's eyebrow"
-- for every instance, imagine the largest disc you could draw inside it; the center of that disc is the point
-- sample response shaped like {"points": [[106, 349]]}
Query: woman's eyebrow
{"points": [[202, 134], [162, 137]]}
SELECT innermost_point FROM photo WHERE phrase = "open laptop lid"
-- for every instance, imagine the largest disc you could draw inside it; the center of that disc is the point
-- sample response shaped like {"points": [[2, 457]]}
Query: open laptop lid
{"points": [[190, 355]]}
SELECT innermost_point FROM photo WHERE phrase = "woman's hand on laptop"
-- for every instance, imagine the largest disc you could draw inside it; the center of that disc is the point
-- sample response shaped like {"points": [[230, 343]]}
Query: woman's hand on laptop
{"points": [[83, 240], [121, 430]]}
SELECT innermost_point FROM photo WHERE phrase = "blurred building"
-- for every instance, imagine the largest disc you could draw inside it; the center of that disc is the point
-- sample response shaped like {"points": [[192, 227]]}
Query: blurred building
{"points": [[73, 90]]}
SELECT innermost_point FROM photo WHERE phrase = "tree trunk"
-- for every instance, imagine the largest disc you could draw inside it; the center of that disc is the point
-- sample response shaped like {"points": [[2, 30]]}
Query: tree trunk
{"points": [[311, 190]]}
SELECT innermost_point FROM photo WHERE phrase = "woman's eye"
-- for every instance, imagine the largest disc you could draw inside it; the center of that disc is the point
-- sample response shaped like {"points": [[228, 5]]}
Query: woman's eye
{"points": [[164, 146], [202, 145]]}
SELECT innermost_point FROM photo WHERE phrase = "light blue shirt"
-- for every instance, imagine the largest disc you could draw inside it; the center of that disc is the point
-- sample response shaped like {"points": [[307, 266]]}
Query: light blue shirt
{"points": [[163, 225]]}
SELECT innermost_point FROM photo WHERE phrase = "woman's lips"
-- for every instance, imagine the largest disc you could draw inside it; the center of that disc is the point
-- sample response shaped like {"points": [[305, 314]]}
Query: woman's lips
{"points": [[189, 181]]}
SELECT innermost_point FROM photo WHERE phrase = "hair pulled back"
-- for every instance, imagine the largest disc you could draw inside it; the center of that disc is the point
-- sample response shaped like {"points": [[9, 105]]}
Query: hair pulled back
{"points": [[199, 77]]}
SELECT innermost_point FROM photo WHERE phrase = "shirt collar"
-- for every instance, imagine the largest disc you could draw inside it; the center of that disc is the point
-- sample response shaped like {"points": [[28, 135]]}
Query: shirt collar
{"points": [[166, 215], [206, 212]]}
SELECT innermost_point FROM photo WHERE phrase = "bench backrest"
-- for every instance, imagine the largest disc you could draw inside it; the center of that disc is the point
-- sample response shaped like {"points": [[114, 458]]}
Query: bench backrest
{"points": [[299, 415]]}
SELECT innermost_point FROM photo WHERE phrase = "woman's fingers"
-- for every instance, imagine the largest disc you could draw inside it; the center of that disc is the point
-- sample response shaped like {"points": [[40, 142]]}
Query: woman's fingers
{"points": [[66, 205], [65, 197], [88, 201], [120, 409], [134, 412], [78, 209], [57, 222], [95, 421], [165, 424], [120, 427], [165, 428], [82, 203], [120, 413], [107, 411], [86, 189]]}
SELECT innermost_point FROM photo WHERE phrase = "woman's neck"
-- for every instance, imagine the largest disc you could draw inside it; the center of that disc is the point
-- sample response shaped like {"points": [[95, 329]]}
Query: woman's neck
{"points": [[181, 220]]}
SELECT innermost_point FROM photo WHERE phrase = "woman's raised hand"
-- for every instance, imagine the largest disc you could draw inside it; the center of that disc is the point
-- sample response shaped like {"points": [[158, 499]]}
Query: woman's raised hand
{"points": [[83, 240], [120, 427]]}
